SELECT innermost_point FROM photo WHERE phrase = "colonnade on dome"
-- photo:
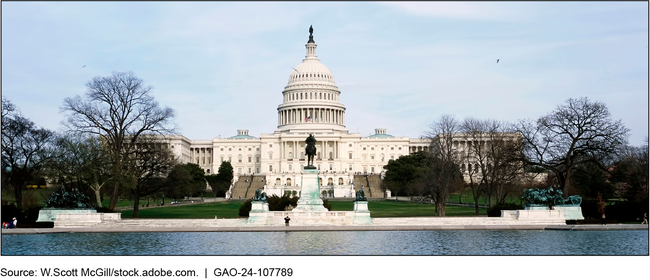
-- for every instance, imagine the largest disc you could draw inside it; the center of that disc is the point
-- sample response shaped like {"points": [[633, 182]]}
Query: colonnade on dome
{"points": [[311, 115]]}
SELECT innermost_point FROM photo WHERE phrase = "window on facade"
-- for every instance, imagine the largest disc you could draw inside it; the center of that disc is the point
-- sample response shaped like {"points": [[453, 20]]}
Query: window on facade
{"points": [[208, 171], [350, 145], [400, 148], [290, 155], [350, 167], [372, 169], [249, 170], [257, 159], [238, 170], [349, 155], [239, 158], [229, 149], [249, 149], [271, 169], [240, 149], [372, 148], [392, 148], [270, 155], [330, 167], [330, 156], [229, 158], [364, 148], [270, 145]]}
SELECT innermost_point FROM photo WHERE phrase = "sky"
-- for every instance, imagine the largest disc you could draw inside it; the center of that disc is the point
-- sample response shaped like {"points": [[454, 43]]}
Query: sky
{"points": [[222, 66]]}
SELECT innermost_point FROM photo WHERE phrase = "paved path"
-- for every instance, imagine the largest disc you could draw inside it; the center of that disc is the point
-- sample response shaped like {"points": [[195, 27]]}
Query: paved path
{"points": [[329, 228]]}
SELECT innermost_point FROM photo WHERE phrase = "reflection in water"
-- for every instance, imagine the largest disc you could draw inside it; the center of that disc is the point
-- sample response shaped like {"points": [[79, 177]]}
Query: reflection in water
{"points": [[445, 242]]}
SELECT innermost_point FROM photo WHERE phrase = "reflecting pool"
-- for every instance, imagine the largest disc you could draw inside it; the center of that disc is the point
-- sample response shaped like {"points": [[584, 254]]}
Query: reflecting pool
{"points": [[442, 242]]}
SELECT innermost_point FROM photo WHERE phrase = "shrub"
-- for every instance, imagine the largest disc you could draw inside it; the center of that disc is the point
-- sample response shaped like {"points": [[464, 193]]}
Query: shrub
{"points": [[246, 208], [326, 204], [495, 211], [627, 211]]}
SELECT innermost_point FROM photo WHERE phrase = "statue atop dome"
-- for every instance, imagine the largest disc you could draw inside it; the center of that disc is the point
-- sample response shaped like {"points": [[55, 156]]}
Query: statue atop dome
{"points": [[311, 36]]}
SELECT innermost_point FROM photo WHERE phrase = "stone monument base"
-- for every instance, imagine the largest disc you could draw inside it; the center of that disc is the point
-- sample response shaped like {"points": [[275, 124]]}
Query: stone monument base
{"points": [[310, 200], [361, 213], [257, 215], [49, 214], [570, 212]]}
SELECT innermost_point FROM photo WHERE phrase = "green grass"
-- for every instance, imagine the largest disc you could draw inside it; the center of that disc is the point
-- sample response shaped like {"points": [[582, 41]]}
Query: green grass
{"points": [[378, 209], [196, 211]]}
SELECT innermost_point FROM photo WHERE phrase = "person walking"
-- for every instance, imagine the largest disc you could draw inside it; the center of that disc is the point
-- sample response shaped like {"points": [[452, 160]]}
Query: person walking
{"points": [[286, 220], [602, 218]]}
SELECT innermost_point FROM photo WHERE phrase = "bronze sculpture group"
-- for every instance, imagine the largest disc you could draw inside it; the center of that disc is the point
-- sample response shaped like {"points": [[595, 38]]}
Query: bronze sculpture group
{"points": [[549, 197]]}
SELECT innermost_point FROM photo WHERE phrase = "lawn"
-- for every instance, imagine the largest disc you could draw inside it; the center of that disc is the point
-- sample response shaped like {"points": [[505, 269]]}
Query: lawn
{"points": [[196, 211], [378, 209]]}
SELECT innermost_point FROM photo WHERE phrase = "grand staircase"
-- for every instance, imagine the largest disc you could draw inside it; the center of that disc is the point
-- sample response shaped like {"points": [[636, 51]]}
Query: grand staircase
{"points": [[371, 185], [240, 189]]}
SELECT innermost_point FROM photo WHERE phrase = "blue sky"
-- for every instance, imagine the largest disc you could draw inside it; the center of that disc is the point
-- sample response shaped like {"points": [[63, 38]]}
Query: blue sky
{"points": [[223, 65]]}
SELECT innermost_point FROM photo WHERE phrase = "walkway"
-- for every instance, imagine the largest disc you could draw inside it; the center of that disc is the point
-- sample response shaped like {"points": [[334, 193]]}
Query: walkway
{"points": [[329, 228]]}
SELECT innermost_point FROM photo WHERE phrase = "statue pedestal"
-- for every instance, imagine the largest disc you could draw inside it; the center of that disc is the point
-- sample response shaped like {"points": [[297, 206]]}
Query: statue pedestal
{"points": [[310, 200], [361, 213], [259, 206], [49, 214], [259, 213], [570, 212]]}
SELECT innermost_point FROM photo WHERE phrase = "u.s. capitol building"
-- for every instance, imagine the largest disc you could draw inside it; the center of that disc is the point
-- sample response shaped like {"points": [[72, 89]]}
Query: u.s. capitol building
{"points": [[310, 104]]}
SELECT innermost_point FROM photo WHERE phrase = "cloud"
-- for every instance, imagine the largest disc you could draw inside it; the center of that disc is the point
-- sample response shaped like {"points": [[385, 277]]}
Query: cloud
{"points": [[459, 10]]}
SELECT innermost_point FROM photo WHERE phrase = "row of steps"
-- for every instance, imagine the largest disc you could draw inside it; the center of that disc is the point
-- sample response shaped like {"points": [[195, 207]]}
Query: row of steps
{"points": [[240, 188], [371, 183], [374, 183], [257, 182]]}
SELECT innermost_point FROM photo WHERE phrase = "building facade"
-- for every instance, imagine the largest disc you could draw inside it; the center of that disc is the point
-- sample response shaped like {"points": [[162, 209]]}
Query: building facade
{"points": [[310, 104]]}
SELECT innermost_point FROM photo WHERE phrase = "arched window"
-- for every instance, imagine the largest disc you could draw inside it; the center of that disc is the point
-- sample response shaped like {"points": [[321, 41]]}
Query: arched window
{"points": [[278, 182], [290, 155], [340, 181], [288, 181], [239, 158], [330, 181]]}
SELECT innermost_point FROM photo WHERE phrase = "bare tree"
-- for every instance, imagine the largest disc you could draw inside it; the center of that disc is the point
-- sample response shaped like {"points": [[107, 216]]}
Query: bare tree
{"points": [[25, 148], [576, 132], [441, 174], [81, 161], [119, 109], [148, 167]]}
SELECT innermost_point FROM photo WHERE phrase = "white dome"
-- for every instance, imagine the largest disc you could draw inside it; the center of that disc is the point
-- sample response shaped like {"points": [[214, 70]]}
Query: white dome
{"points": [[311, 71]]}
